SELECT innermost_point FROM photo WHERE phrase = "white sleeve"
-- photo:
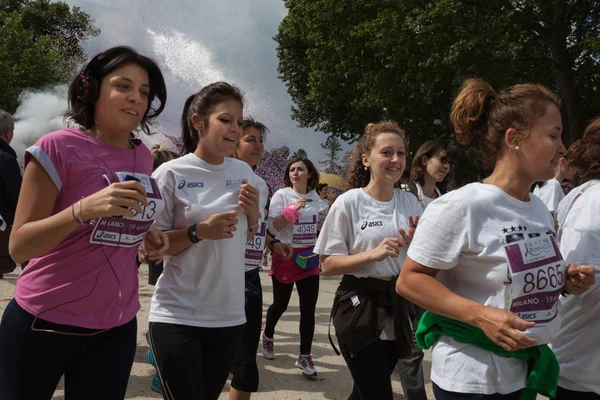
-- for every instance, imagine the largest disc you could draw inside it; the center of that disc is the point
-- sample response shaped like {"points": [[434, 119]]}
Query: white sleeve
{"points": [[579, 244], [166, 184], [335, 235], [441, 235], [557, 196], [551, 194], [275, 209]]}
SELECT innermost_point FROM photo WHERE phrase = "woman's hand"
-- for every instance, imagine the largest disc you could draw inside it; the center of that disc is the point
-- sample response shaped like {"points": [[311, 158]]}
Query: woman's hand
{"points": [[155, 245], [300, 204], [218, 226], [389, 247], [407, 237], [122, 198], [505, 328], [579, 278], [248, 200], [283, 249]]}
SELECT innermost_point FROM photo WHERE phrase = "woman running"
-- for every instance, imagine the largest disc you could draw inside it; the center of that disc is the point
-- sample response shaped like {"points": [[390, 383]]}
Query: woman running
{"points": [[575, 344], [211, 210], [86, 204], [245, 371], [484, 260], [364, 238], [293, 218]]}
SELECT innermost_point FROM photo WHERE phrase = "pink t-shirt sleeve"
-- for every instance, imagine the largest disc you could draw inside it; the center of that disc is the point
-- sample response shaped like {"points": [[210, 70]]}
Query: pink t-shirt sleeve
{"points": [[50, 151]]}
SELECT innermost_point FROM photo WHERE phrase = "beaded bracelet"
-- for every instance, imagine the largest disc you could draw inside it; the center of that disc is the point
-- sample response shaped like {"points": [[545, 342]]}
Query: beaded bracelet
{"points": [[253, 226]]}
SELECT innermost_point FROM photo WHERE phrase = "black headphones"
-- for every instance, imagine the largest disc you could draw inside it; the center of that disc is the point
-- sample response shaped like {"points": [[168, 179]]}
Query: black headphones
{"points": [[87, 87]]}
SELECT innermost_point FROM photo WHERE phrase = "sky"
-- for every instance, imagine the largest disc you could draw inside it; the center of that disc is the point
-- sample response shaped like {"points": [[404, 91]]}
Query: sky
{"points": [[200, 42]]}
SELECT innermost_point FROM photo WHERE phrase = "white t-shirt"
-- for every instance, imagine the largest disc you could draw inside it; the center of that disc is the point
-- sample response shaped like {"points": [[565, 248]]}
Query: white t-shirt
{"points": [[323, 208], [204, 284], [550, 193], [576, 344], [423, 200], [500, 252], [256, 246], [302, 233], [357, 223]]}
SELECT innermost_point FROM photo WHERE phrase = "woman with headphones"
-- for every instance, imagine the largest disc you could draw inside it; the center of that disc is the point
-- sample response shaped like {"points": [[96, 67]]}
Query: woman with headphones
{"points": [[86, 205]]}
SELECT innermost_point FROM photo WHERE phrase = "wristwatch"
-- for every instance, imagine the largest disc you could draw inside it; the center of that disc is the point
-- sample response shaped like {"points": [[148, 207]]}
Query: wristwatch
{"points": [[192, 234]]}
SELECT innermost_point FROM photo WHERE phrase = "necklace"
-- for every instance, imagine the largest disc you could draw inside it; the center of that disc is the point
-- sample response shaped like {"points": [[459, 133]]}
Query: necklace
{"points": [[377, 203]]}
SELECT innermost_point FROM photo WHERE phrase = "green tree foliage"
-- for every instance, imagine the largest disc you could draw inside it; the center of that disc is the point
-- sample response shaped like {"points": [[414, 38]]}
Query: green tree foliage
{"points": [[40, 45], [300, 153], [333, 147], [350, 62]]}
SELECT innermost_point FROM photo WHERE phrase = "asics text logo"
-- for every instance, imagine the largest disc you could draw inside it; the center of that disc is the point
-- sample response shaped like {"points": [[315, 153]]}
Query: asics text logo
{"points": [[371, 224], [190, 185]]}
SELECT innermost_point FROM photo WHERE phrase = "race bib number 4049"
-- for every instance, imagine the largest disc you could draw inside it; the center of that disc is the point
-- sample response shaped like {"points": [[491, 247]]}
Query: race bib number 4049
{"points": [[128, 232], [536, 278], [305, 231]]}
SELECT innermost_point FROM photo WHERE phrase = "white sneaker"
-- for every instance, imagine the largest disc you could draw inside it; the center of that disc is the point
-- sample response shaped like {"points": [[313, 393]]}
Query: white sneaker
{"points": [[267, 346], [305, 363]]}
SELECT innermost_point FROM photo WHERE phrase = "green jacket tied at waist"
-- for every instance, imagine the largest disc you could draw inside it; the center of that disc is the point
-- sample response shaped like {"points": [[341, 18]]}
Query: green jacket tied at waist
{"points": [[543, 366]]}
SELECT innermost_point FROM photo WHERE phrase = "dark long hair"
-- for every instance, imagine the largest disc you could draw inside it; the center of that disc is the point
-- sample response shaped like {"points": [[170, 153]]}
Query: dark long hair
{"points": [[82, 112], [313, 173], [417, 170], [203, 103]]}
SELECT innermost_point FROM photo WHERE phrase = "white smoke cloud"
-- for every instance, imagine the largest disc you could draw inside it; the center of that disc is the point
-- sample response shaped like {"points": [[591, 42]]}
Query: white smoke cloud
{"points": [[185, 58], [38, 113]]}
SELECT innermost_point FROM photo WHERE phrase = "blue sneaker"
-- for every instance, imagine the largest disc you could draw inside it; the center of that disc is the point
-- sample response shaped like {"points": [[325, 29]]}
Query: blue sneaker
{"points": [[155, 384], [151, 358]]}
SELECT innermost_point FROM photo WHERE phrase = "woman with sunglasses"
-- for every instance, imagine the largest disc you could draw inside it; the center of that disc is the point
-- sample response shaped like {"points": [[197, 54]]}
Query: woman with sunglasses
{"points": [[429, 169]]}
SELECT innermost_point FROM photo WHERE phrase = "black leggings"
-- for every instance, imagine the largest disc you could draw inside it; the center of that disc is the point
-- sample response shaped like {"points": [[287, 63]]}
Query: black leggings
{"points": [[245, 370], [566, 394], [308, 292], [32, 363], [193, 362], [371, 369], [441, 394]]}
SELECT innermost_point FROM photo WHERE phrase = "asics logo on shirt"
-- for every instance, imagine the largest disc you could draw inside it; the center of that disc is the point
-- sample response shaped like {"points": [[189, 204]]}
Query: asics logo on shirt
{"points": [[371, 224], [190, 185]]}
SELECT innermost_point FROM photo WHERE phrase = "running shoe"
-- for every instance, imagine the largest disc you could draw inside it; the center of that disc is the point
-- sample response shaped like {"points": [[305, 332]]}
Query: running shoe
{"points": [[267, 346], [155, 386], [305, 363], [151, 358]]}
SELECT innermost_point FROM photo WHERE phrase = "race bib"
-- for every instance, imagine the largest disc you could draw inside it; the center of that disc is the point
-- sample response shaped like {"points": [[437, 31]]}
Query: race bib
{"points": [[305, 231], [128, 232], [536, 276], [322, 215], [256, 246]]}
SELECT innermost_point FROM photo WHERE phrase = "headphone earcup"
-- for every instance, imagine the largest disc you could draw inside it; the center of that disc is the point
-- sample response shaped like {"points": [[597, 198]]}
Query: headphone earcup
{"points": [[87, 89], [82, 87]]}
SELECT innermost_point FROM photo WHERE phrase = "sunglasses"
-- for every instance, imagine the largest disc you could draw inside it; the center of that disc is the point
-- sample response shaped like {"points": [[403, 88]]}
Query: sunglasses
{"points": [[445, 161]]}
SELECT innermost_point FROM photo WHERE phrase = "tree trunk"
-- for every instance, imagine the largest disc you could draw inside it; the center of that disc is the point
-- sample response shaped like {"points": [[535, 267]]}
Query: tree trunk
{"points": [[563, 63]]}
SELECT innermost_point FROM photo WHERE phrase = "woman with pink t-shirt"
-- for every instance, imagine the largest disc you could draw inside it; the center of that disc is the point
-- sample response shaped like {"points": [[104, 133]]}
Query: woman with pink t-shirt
{"points": [[86, 205]]}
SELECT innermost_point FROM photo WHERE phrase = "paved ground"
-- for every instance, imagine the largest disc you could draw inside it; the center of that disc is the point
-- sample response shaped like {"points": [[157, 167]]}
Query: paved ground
{"points": [[279, 379]]}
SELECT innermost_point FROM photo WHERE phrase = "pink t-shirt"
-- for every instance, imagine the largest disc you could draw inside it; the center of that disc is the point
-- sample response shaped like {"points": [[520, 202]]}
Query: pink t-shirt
{"points": [[80, 166]]}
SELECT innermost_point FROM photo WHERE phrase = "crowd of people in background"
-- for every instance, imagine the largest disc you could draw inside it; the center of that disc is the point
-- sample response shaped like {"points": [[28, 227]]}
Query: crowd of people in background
{"points": [[499, 282]]}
